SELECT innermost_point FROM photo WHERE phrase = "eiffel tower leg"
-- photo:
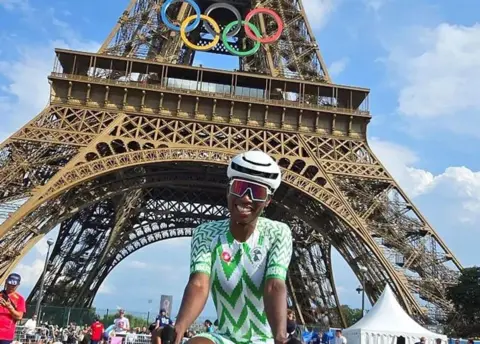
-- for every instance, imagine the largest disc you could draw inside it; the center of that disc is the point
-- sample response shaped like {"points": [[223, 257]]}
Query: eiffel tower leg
{"points": [[125, 209], [101, 236], [310, 282], [28, 223], [385, 214], [310, 276], [89, 229], [77, 235]]}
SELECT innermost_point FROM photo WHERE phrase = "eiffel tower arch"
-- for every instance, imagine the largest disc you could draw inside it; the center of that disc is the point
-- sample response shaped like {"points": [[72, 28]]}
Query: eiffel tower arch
{"points": [[132, 150]]}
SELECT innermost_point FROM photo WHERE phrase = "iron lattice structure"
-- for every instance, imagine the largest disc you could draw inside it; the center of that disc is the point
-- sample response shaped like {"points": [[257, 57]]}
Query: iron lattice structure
{"points": [[133, 145]]}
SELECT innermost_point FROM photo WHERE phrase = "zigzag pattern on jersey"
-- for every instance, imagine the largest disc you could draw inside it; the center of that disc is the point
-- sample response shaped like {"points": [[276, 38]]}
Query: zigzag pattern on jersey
{"points": [[280, 253], [201, 245], [243, 319], [248, 323]]}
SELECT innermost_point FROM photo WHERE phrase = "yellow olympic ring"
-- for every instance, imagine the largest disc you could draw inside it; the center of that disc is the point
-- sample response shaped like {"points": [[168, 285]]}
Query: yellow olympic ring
{"points": [[209, 46]]}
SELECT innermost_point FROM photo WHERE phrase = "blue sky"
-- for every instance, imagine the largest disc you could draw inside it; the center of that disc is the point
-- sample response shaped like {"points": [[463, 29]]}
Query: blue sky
{"points": [[421, 59]]}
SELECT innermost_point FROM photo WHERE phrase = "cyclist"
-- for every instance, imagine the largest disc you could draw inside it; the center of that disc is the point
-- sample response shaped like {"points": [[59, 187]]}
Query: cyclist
{"points": [[243, 259]]}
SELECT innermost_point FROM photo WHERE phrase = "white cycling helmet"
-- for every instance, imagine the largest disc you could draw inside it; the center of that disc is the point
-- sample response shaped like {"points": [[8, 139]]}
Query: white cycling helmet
{"points": [[256, 166]]}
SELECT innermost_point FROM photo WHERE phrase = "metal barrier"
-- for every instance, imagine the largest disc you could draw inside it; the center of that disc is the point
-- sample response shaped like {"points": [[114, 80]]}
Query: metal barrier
{"points": [[54, 334], [131, 338], [24, 335], [44, 335]]}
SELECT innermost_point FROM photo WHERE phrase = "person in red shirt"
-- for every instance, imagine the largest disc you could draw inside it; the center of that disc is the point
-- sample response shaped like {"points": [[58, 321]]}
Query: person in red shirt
{"points": [[97, 332], [12, 307]]}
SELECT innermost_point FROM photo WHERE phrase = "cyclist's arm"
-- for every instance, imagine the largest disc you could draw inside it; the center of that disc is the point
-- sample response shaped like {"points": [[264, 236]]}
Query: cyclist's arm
{"points": [[196, 293], [275, 292]]}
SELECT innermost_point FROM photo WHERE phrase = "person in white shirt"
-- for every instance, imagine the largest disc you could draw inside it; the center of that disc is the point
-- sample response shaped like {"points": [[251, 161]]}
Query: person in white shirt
{"points": [[122, 324], [339, 338], [30, 327]]}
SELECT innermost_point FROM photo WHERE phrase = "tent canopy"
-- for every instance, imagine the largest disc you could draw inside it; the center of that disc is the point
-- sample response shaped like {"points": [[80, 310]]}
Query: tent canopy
{"points": [[388, 318]]}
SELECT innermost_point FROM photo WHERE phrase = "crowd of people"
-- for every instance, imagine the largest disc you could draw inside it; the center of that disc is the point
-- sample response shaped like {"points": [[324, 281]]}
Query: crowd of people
{"points": [[97, 333]]}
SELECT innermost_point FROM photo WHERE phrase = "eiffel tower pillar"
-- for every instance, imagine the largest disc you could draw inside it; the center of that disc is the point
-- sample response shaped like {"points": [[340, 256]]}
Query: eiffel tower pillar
{"points": [[133, 145]]}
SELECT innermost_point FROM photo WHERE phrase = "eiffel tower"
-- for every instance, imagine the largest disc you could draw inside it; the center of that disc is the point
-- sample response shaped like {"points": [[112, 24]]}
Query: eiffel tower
{"points": [[133, 146]]}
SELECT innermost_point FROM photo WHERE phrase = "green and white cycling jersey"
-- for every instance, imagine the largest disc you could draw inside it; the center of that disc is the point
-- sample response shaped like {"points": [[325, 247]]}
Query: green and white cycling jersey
{"points": [[238, 272]]}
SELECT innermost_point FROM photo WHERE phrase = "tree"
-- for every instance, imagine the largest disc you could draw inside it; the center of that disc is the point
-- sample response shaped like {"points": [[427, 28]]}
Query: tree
{"points": [[465, 296], [61, 316], [351, 315]]}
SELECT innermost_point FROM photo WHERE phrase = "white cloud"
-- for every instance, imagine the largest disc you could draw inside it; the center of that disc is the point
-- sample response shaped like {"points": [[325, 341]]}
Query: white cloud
{"points": [[42, 247], [459, 187], [438, 73], [318, 11], [30, 272], [399, 161], [27, 84], [337, 67], [31, 267]]}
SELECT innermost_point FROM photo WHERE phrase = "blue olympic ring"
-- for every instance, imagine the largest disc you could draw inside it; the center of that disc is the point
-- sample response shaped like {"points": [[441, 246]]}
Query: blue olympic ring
{"points": [[168, 23]]}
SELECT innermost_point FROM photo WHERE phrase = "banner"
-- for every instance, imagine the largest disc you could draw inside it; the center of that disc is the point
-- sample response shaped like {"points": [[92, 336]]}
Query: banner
{"points": [[166, 302]]}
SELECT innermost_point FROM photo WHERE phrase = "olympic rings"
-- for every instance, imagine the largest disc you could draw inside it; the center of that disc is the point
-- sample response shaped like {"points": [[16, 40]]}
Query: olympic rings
{"points": [[212, 27], [216, 34], [229, 47]]}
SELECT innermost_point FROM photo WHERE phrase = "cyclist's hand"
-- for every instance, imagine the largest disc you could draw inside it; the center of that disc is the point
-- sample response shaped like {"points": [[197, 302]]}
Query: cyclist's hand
{"points": [[179, 332], [281, 340], [168, 335]]}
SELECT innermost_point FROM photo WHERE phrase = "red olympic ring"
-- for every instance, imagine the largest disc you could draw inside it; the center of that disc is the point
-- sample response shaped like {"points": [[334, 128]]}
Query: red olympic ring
{"points": [[268, 39]]}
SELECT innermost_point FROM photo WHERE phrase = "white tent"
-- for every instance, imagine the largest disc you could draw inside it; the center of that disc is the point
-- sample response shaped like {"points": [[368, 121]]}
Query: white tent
{"points": [[386, 322]]}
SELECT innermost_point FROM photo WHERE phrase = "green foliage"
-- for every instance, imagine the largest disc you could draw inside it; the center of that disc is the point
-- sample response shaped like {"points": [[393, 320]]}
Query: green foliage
{"points": [[351, 315], [465, 322], [62, 315]]}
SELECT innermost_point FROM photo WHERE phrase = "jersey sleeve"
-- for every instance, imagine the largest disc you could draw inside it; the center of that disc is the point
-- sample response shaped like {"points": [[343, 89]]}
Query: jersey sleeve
{"points": [[201, 254], [280, 253]]}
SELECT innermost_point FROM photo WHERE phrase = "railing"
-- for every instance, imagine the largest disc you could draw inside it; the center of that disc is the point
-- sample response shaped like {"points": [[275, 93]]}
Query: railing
{"points": [[43, 334], [39, 334], [213, 94], [131, 338]]}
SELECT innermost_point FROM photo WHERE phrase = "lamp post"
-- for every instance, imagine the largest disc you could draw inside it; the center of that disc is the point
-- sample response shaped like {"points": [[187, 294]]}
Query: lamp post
{"points": [[361, 289], [50, 242]]}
